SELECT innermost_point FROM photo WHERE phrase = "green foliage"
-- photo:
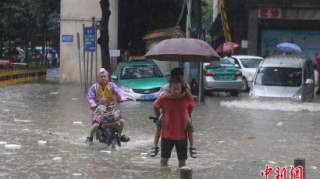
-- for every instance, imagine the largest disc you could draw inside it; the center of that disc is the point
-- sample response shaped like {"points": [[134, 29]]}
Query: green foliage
{"points": [[24, 21], [207, 12]]}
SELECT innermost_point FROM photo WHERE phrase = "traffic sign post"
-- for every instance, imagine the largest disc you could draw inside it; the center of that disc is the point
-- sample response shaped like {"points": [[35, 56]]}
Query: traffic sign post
{"points": [[89, 36], [89, 48]]}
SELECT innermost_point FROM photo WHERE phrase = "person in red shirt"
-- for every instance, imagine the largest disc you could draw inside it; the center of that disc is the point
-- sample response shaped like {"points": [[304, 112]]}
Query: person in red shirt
{"points": [[176, 73], [174, 122]]}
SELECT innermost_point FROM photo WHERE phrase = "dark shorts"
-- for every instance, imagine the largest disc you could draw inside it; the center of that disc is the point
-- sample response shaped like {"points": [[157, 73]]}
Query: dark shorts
{"points": [[189, 125], [181, 148]]}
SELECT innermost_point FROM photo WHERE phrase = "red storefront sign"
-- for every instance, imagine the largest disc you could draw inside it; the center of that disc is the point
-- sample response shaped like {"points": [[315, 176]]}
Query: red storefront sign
{"points": [[270, 13]]}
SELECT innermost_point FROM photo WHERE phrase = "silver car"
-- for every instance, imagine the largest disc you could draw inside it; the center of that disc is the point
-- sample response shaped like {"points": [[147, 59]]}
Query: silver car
{"points": [[284, 76], [222, 76]]}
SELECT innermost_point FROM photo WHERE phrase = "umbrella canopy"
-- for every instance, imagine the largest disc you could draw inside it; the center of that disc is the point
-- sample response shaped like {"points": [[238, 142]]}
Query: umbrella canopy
{"points": [[183, 50], [227, 47], [288, 47]]}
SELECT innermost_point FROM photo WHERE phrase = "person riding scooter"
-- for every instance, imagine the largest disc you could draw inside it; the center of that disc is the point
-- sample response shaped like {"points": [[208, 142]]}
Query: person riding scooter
{"points": [[103, 92]]}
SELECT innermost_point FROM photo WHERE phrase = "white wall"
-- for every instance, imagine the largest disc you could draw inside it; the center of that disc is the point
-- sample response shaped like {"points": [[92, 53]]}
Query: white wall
{"points": [[75, 13]]}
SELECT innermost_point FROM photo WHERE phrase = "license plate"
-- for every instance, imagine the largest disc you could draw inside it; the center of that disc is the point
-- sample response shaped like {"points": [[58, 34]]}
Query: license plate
{"points": [[147, 97], [225, 78]]}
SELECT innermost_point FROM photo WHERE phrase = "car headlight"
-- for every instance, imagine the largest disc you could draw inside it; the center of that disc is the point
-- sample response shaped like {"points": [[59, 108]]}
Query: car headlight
{"points": [[298, 95]]}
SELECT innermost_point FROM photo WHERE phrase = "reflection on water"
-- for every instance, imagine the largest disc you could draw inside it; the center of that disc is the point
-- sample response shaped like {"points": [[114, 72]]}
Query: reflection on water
{"points": [[48, 123]]}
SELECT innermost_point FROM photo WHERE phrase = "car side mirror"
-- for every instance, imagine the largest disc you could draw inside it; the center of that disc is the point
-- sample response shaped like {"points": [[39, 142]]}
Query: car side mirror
{"points": [[309, 81], [114, 77], [237, 65]]}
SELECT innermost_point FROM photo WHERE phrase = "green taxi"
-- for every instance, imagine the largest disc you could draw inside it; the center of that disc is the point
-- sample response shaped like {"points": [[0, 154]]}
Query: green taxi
{"points": [[139, 79]]}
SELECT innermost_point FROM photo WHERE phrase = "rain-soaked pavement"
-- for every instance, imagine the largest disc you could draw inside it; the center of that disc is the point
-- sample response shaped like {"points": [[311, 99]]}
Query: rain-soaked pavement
{"points": [[236, 137]]}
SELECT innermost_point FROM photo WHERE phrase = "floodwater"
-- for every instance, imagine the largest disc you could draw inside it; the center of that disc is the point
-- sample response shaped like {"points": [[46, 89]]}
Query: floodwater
{"points": [[43, 127]]}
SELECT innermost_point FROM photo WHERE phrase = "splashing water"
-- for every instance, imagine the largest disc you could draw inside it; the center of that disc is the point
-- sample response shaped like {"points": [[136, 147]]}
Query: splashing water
{"points": [[272, 105]]}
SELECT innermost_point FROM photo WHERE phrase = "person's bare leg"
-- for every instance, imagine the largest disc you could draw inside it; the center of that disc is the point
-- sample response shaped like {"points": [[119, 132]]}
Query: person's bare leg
{"points": [[192, 150], [120, 126], [156, 137], [190, 137], [164, 162], [94, 128], [155, 149], [182, 163]]}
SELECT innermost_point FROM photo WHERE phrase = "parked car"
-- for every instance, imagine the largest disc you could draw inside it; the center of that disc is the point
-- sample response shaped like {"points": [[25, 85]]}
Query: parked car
{"points": [[284, 76], [248, 66], [52, 56], [16, 54], [222, 75], [5, 63], [139, 79]]}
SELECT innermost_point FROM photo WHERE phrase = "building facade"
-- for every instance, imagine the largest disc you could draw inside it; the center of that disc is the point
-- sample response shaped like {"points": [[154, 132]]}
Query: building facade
{"points": [[273, 21], [74, 15], [258, 25]]}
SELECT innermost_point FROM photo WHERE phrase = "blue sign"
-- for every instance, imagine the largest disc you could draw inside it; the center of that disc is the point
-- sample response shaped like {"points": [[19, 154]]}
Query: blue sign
{"points": [[67, 38], [89, 36]]}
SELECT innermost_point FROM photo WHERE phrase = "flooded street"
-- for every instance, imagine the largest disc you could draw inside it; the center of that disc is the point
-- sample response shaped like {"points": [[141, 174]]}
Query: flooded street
{"points": [[235, 137]]}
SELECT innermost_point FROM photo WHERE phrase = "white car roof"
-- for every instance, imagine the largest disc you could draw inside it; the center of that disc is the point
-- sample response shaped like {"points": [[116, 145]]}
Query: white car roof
{"points": [[246, 56], [291, 61]]}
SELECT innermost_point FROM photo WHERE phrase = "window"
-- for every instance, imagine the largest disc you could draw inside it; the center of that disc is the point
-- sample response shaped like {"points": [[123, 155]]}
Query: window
{"points": [[250, 62], [274, 76], [140, 71]]}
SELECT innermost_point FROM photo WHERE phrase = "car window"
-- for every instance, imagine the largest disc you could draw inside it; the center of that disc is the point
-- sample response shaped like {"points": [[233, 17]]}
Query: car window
{"points": [[225, 61], [140, 71], [235, 61], [250, 62], [274, 76]]}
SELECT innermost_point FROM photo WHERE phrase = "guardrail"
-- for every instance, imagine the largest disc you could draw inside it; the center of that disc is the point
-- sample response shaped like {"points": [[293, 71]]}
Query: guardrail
{"points": [[22, 75]]}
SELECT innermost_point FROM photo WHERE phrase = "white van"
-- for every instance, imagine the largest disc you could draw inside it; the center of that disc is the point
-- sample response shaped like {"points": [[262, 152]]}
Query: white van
{"points": [[284, 76]]}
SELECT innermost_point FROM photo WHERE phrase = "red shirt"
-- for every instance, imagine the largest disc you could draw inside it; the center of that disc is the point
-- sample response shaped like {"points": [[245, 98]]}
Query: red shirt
{"points": [[175, 116]]}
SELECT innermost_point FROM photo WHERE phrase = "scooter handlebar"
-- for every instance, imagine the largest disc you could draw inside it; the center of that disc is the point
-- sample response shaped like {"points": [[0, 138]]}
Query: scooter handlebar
{"points": [[153, 118]]}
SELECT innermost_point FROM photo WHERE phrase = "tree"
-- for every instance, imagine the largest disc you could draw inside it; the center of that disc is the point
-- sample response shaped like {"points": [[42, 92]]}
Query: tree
{"points": [[25, 22], [104, 34]]}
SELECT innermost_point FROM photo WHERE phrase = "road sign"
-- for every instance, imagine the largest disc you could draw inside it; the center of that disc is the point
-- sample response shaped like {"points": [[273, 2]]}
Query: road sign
{"points": [[67, 38], [114, 53], [89, 36]]}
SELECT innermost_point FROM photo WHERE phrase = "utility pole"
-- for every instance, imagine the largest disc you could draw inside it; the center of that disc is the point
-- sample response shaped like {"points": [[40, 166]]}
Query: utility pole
{"points": [[188, 22], [188, 27]]}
